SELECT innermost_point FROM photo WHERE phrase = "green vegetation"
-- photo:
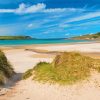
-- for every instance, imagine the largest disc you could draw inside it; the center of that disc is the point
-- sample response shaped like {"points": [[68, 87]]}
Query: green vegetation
{"points": [[67, 68], [6, 71], [28, 74], [88, 37], [14, 37]]}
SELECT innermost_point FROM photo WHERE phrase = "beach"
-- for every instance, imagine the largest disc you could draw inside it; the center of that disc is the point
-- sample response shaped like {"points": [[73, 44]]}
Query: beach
{"points": [[25, 57]]}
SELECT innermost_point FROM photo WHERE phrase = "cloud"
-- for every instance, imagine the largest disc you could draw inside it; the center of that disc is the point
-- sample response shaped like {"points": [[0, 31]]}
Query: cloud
{"points": [[30, 25], [6, 11], [67, 34], [25, 9], [64, 9], [30, 9], [55, 10], [84, 17], [40, 7], [64, 25]]}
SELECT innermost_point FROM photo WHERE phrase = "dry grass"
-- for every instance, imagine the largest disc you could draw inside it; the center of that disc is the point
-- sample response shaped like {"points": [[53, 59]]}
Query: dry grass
{"points": [[67, 68]]}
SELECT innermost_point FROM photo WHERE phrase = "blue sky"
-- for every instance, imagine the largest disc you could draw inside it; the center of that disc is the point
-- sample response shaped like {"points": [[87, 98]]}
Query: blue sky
{"points": [[49, 18]]}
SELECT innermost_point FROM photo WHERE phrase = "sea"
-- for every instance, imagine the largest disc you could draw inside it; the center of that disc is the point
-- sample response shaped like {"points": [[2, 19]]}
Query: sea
{"points": [[38, 41]]}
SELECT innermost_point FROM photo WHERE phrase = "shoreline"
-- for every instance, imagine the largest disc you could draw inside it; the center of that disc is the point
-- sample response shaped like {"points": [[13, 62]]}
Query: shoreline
{"points": [[87, 47], [45, 44], [91, 49]]}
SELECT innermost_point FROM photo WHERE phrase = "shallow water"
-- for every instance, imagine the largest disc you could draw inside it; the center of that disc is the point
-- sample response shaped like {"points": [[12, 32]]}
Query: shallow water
{"points": [[38, 41]]}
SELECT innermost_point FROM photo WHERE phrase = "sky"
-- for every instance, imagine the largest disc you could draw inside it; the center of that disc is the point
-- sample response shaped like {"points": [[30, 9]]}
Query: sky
{"points": [[49, 18]]}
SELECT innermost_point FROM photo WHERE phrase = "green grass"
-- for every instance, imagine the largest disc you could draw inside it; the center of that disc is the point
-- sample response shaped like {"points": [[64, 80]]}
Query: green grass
{"points": [[28, 74], [6, 71], [44, 72], [67, 68], [89, 36]]}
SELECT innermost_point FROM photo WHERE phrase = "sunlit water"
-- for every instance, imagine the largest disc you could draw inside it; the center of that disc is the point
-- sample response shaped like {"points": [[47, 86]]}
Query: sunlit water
{"points": [[38, 41]]}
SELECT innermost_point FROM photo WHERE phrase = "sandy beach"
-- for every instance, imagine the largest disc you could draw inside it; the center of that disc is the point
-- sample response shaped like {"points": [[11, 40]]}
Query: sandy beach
{"points": [[22, 60]]}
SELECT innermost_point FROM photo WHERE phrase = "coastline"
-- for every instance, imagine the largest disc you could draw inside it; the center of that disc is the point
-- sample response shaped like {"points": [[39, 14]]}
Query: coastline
{"points": [[94, 45], [8, 43], [87, 48], [48, 44]]}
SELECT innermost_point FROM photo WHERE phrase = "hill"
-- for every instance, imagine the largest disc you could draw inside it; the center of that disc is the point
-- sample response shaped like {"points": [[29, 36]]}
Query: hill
{"points": [[6, 71], [88, 37], [14, 37]]}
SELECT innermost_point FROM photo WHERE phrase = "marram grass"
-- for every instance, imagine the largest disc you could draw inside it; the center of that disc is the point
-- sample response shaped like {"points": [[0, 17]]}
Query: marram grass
{"points": [[6, 71], [67, 68]]}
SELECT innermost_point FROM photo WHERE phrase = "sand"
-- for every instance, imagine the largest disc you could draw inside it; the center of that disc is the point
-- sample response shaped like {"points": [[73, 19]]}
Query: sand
{"points": [[23, 60], [88, 47]]}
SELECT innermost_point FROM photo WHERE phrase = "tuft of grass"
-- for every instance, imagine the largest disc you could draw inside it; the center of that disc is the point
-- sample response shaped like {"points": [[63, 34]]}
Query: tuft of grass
{"points": [[6, 71], [2, 78], [28, 74], [96, 64], [44, 72], [67, 68]]}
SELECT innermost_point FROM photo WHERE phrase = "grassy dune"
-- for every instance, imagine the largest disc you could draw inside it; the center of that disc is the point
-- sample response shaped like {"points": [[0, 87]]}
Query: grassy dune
{"points": [[6, 71], [67, 68]]}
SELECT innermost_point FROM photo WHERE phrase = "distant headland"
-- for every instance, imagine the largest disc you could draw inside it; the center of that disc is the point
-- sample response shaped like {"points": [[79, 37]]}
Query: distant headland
{"points": [[15, 37], [95, 36]]}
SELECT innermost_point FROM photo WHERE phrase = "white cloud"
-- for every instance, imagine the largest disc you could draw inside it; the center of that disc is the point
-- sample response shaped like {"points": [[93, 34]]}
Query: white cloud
{"points": [[21, 8], [25, 9], [84, 17], [67, 34], [55, 10], [64, 25], [64, 9], [30, 25], [31, 9], [40, 7], [6, 11]]}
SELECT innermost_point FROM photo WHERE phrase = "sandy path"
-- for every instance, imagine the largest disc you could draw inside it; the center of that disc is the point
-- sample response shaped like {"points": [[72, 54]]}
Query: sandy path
{"points": [[23, 60], [31, 90]]}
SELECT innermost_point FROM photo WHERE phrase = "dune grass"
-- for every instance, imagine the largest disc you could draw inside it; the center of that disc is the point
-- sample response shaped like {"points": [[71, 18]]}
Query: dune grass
{"points": [[67, 68], [6, 71], [27, 74]]}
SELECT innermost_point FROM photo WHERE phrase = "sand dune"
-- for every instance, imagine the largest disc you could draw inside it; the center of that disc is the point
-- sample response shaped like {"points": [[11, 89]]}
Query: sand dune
{"points": [[23, 60]]}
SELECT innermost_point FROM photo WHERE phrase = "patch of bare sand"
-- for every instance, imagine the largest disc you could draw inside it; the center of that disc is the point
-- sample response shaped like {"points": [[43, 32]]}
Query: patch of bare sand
{"points": [[31, 90], [43, 56], [23, 60], [85, 47]]}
